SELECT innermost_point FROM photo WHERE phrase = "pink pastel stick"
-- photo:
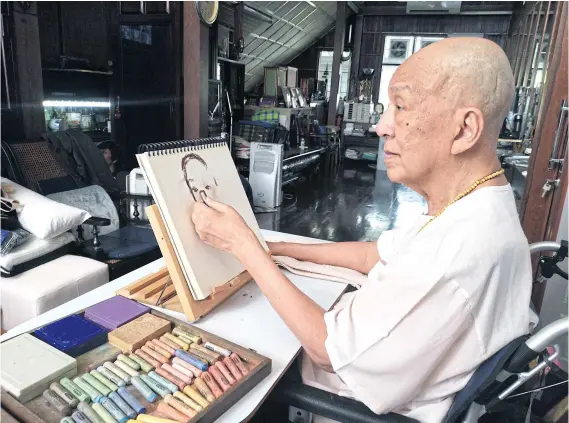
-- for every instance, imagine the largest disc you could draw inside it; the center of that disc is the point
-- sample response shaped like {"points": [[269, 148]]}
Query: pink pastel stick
{"points": [[197, 372], [178, 374]]}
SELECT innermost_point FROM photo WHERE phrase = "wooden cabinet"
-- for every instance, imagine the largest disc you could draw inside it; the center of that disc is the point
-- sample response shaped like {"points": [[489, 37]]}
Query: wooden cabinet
{"points": [[74, 34]]}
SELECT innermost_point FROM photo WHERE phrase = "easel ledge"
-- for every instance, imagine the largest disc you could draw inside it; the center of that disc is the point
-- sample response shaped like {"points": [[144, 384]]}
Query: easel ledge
{"points": [[168, 288]]}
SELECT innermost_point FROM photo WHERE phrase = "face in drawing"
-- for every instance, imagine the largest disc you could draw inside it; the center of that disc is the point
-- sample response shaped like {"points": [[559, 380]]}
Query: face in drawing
{"points": [[199, 180]]}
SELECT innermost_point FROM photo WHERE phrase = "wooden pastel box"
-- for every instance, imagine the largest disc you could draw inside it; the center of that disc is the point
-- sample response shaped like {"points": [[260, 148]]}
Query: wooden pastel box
{"points": [[38, 410]]}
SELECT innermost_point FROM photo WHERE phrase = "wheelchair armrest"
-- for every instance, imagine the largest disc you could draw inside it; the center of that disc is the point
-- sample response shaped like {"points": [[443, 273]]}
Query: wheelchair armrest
{"points": [[330, 405], [98, 221]]}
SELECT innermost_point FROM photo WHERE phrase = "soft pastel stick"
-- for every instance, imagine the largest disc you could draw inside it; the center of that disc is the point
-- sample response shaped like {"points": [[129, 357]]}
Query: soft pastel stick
{"points": [[170, 343], [192, 336], [155, 386], [217, 349], [171, 412], [111, 376], [154, 354], [145, 366], [183, 377], [57, 402], [67, 420], [204, 390], [188, 401], [185, 339], [180, 406], [64, 394], [164, 346], [171, 378], [86, 409], [126, 368], [184, 345], [180, 369], [79, 417], [219, 378], [96, 384], [150, 360], [117, 371], [129, 361], [103, 413], [114, 410], [235, 358], [163, 381], [101, 378], [211, 353], [205, 357], [192, 392], [147, 418], [131, 400], [88, 389], [158, 349], [75, 390], [144, 389], [192, 359], [212, 384], [232, 368], [225, 372], [124, 407], [187, 365]]}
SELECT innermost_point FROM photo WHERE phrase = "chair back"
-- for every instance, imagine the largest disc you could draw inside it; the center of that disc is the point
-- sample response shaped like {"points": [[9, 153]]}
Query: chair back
{"points": [[34, 165], [481, 380]]}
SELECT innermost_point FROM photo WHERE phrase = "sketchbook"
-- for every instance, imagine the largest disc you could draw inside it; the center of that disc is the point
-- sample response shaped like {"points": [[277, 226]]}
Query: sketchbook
{"points": [[178, 175]]}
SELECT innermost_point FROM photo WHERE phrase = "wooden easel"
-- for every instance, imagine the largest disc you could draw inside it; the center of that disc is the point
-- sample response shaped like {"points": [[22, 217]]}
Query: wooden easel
{"points": [[168, 288]]}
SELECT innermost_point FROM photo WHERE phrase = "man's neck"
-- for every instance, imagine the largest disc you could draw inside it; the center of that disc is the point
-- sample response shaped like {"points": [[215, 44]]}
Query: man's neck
{"points": [[451, 181]]}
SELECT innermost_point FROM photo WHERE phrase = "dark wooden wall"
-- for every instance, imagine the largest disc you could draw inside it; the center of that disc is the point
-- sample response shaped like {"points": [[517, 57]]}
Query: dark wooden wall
{"points": [[494, 27]]}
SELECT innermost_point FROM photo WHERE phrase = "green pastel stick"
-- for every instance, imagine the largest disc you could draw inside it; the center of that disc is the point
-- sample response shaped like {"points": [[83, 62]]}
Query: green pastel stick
{"points": [[129, 361], [88, 389], [96, 384], [97, 375], [155, 386], [75, 390], [89, 412], [144, 365], [103, 413]]}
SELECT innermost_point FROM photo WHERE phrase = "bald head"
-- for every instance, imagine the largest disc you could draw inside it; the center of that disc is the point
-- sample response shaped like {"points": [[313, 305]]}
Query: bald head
{"points": [[467, 72], [447, 105]]}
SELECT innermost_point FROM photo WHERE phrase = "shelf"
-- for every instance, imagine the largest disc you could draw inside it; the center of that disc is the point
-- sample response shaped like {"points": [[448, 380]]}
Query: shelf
{"points": [[235, 62], [107, 73]]}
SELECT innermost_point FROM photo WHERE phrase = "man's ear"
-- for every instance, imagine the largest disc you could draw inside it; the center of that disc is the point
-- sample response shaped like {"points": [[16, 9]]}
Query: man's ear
{"points": [[471, 125]]}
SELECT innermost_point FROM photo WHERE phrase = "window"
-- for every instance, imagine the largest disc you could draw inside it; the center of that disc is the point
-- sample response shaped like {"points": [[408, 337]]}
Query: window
{"points": [[325, 64], [396, 50]]}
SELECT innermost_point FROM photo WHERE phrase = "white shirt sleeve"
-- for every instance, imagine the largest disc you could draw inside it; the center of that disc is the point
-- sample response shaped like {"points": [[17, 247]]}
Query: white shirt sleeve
{"points": [[389, 336]]}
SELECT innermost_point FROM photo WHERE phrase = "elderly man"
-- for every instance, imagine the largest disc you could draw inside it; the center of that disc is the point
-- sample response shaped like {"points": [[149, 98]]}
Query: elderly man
{"points": [[442, 294]]}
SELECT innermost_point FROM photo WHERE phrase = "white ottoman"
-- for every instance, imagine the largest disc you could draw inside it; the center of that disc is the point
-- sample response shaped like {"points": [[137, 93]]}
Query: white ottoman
{"points": [[42, 288]]}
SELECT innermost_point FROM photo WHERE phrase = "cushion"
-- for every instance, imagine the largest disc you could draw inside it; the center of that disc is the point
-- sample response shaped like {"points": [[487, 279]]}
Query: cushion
{"points": [[95, 200], [128, 242], [33, 248], [43, 217], [47, 286], [12, 239]]}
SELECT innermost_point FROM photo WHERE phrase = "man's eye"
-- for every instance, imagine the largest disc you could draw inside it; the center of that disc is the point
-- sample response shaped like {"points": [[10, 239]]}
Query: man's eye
{"points": [[398, 107], [207, 187], [194, 189]]}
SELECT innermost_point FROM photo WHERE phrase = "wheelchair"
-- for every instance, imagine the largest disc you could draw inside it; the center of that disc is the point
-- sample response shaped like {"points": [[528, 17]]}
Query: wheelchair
{"points": [[495, 380]]}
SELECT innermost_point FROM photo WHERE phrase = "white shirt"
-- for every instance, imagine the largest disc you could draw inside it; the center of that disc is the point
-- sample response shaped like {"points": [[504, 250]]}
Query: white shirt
{"points": [[447, 298]]}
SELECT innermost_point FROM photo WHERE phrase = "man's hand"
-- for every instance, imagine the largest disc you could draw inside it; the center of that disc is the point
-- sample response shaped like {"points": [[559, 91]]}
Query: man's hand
{"points": [[220, 226]]}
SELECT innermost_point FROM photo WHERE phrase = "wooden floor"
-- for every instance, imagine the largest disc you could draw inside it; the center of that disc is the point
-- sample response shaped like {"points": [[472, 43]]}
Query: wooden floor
{"points": [[356, 204]]}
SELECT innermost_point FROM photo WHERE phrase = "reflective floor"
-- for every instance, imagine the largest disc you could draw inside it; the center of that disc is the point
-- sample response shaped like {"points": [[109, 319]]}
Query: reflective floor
{"points": [[356, 204]]}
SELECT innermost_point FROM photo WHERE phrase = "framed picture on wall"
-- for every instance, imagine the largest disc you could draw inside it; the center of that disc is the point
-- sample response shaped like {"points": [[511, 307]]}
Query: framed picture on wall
{"points": [[287, 97], [397, 49]]}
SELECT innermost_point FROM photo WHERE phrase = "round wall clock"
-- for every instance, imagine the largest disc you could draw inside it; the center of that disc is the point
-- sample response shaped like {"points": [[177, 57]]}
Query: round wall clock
{"points": [[207, 11]]}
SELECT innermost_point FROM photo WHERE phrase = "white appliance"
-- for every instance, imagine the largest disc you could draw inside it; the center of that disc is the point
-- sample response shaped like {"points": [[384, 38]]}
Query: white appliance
{"points": [[265, 174], [135, 184]]}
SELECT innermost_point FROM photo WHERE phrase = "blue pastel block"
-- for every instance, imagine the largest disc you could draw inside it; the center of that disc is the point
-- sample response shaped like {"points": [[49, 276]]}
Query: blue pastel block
{"points": [[73, 335]]}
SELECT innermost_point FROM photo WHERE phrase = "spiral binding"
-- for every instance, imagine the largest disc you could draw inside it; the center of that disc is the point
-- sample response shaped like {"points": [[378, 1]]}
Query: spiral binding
{"points": [[173, 147]]}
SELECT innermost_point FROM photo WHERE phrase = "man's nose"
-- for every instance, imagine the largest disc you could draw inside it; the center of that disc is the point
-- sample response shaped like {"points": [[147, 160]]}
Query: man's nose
{"points": [[385, 126]]}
